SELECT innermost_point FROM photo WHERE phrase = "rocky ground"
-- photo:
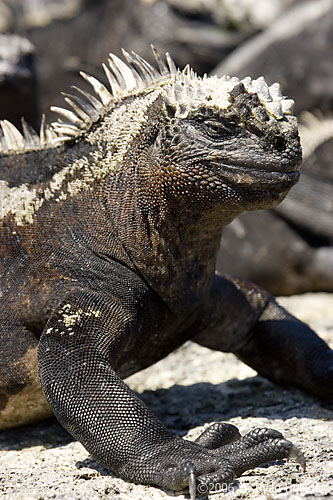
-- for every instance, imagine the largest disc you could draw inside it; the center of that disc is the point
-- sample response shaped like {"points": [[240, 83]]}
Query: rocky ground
{"points": [[190, 389]]}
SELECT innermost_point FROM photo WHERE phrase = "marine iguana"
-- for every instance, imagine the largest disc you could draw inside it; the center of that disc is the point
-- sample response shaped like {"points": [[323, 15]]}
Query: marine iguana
{"points": [[110, 226]]}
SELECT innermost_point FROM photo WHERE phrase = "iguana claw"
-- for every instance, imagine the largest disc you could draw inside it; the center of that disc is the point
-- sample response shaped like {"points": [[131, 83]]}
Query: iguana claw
{"points": [[296, 453], [192, 484]]}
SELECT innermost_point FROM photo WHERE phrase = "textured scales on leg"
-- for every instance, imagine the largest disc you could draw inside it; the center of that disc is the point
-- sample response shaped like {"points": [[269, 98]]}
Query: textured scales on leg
{"points": [[110, 223]]}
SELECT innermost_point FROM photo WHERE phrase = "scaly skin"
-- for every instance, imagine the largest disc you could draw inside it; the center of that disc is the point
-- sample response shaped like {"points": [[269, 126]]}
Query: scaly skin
{"points": [[109, 238]]}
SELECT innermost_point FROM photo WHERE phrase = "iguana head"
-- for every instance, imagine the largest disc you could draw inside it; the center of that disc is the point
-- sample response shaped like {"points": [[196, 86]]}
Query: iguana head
{"points": [[230, 140]]}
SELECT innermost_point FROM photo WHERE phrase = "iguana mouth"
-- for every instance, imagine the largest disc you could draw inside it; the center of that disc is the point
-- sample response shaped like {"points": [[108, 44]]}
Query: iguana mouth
{"points": [[255, 178]]}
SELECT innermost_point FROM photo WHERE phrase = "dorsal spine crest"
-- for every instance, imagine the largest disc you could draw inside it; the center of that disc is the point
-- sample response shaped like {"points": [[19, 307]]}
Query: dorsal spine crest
{"points": [[182, 89]]}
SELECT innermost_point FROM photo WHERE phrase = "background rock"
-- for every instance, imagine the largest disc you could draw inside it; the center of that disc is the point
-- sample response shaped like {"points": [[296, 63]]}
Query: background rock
{"points": [[18, 80]]}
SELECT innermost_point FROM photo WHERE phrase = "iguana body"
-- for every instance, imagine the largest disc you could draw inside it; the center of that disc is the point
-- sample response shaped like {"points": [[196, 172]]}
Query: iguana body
{"points": [[110, 227]]}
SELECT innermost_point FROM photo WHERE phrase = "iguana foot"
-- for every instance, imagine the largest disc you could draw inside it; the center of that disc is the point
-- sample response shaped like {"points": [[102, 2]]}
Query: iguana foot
{"points": [[207, 466], [257, 447]]}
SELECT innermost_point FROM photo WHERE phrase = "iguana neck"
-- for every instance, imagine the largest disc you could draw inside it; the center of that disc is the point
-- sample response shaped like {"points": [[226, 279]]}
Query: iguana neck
{"points": [[172, 241]]}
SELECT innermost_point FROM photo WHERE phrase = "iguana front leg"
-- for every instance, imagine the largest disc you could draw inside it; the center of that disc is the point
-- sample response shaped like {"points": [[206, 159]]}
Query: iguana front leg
{"points": [[78, 352], [267, 337]]}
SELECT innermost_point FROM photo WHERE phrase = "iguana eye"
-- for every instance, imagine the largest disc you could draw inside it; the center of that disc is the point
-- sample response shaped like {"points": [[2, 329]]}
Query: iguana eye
{"points": [[216, 128]]}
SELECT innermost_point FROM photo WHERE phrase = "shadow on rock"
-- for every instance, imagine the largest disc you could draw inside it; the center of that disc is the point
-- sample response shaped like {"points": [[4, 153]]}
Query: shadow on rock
{"points": [[49, 434], [184, 407]]}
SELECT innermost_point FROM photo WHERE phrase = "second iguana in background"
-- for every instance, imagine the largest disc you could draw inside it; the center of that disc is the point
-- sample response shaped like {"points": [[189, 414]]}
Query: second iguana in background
{"points": [[110, 226]]}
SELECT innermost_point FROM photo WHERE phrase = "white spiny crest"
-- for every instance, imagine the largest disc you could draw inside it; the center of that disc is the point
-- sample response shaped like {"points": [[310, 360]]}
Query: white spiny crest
{"points": [[183, 90], [10, 138]]}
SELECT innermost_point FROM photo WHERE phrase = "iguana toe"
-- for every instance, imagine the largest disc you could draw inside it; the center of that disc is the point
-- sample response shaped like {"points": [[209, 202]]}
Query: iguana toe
{"points": [[217, 435]]}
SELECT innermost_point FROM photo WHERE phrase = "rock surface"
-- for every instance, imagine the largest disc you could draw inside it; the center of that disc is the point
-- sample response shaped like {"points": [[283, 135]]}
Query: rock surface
{"points": [[188, 390]]}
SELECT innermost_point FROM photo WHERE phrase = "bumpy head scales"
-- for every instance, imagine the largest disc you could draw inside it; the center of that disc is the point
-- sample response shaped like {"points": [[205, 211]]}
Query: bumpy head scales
{"points": [[181, 89]]}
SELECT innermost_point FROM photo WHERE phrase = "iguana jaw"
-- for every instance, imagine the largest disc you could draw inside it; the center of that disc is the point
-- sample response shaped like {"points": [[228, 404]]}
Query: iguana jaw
{"points": [[253, 178]]}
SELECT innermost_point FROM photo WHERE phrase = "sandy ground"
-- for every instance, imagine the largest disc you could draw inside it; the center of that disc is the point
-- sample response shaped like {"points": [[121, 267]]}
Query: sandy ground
{"points": [[188, 390]]}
